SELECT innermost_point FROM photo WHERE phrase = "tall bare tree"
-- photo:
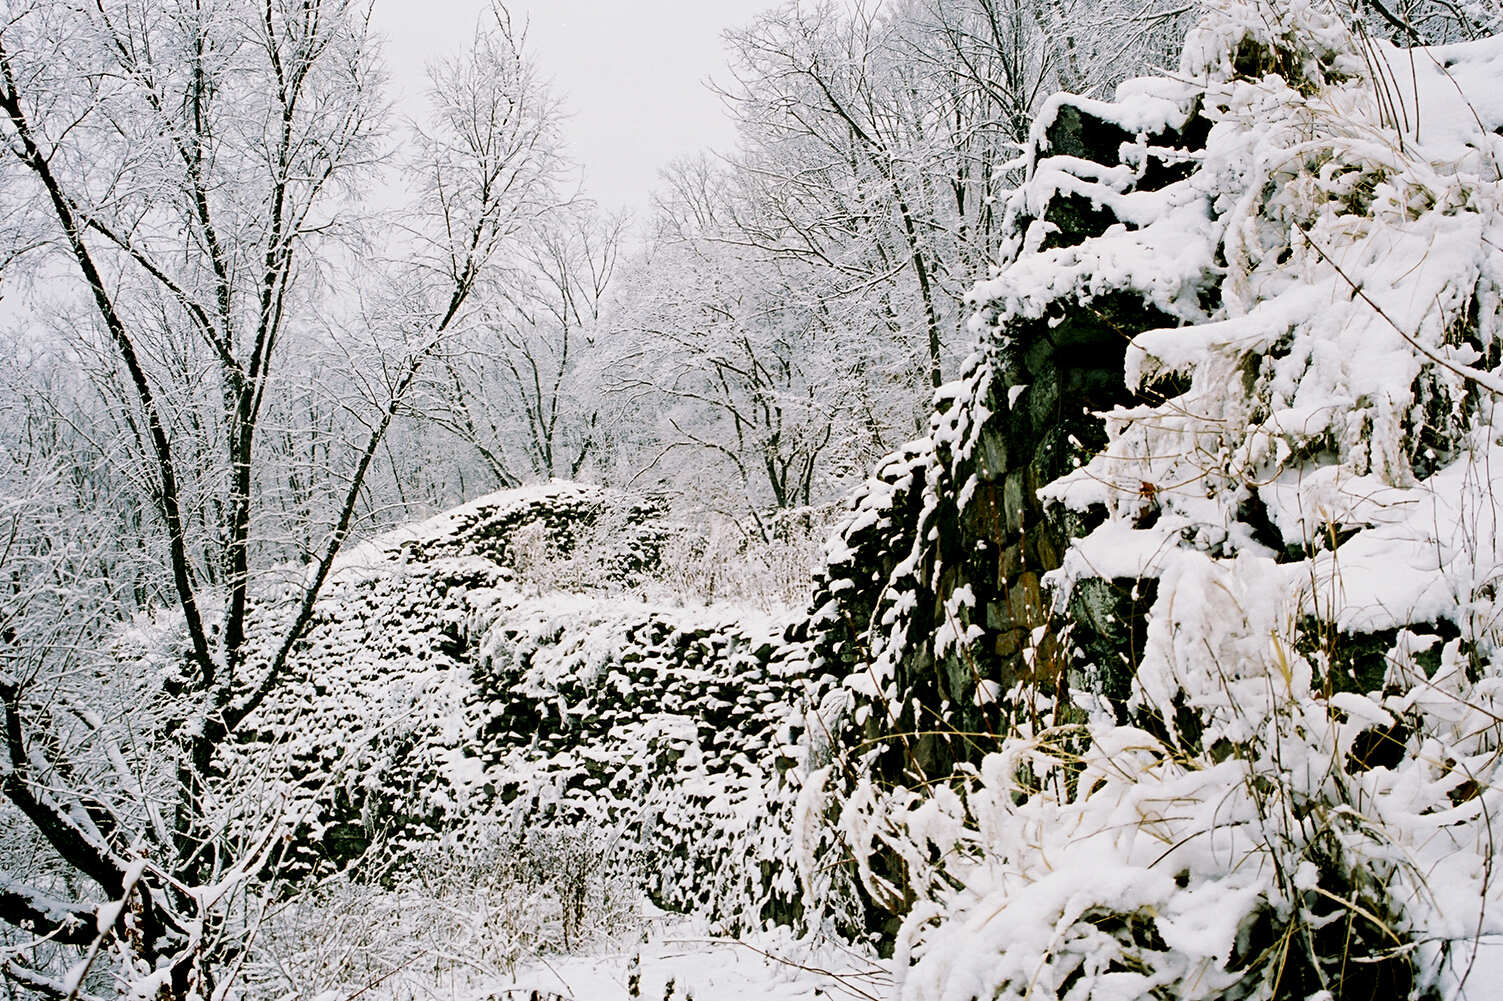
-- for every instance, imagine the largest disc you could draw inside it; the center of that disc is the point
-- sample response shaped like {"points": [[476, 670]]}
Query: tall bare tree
{"points": [[198, 165], [514, 390]]}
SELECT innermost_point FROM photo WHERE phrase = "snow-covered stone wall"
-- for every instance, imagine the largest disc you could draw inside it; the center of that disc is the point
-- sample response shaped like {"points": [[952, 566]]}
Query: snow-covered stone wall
{"points": [[438, 695], [1165, 665], [1172, 649]]}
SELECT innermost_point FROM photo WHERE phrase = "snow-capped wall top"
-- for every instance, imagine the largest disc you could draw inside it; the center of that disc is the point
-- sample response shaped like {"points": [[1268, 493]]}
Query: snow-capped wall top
{"points": [[488, 525]]}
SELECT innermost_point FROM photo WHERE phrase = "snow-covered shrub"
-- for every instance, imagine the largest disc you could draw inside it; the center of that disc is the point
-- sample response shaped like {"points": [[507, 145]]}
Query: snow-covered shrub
{"points": [[457, 915], [771, 568], [566, 537], [619, 545], [1104, 862]]}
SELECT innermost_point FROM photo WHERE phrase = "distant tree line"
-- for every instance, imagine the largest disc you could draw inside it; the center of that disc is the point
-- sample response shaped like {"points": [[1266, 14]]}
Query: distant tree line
{"points": [[782, 317]]}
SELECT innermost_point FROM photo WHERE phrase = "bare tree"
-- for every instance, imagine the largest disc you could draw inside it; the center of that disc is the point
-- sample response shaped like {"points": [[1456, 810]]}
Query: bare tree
{"points": [[198, 164], [800, 300], [513, 389], [825, 108], [1429, 22], [880, 134], [748, 367]]}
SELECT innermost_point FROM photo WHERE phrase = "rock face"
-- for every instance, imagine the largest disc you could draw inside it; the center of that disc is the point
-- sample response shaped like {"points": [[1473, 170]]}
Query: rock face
{"points": [[685, 730], [933, 603]]}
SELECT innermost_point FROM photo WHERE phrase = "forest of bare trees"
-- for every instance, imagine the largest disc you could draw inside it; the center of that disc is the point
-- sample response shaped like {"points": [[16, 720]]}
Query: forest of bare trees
{"points": [[211, 379], [248, 316]]}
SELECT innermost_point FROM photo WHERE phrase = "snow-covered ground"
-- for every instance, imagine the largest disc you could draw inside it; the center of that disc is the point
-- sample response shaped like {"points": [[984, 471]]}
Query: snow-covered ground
{"points": [[679, 962]]}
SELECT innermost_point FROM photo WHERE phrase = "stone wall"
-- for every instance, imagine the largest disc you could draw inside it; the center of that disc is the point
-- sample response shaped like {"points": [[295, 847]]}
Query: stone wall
{"points": [[439, 694], [463, 696], [932, 605]]}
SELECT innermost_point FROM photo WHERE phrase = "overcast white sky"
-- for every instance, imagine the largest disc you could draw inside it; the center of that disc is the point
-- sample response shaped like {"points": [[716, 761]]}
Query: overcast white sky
{"points": [[631, 73]]}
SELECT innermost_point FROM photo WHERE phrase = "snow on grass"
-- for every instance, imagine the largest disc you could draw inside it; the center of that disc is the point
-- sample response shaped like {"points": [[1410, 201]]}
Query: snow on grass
{"points": [[651, 956], [680, 965]]}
